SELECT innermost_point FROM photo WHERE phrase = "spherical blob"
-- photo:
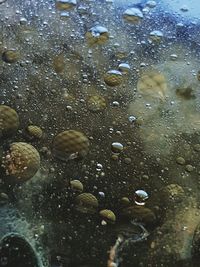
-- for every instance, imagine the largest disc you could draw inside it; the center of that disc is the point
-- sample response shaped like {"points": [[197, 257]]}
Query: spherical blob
{"points": [[96, 103], [9, 121], [113, 78], [21, 161], [86, 203], [70, 144]]}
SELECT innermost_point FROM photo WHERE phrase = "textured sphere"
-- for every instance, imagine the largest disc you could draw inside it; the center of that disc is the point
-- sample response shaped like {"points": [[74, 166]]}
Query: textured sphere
{"points": [[10, 56], [21, 161], [76, 185], [86, 203], [97, 35], [108, 216], [96, 103], [113, 78], [34, 131], [70, 144], [172, 193], [9, 121], [152, 84]]}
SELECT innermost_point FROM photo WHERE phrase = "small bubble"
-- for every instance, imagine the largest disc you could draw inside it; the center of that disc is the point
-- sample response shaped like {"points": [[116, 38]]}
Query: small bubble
{"points": [[132, 119], [155, 36], [117, 147], [151, 4], [140, 197]]}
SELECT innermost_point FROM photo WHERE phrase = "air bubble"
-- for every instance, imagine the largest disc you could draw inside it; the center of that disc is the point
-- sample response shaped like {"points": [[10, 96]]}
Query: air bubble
{"points": [[140, 197]]}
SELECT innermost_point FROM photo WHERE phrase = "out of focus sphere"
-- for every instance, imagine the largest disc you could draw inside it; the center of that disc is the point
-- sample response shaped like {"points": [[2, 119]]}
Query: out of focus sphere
{"points": [[21, 161], [70, 144], [96, 103], [9, 121], [152, 84], [86, 203], [10, 56]]}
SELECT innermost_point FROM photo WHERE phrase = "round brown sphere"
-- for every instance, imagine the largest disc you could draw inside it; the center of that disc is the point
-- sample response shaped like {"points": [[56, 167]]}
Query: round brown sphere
{"points": [[113, 78], [96, 103], [21, 161], [70, 144], [108, 215], [76, 185], [9, 121], [34, 131], [86, 203], [10, 56]]}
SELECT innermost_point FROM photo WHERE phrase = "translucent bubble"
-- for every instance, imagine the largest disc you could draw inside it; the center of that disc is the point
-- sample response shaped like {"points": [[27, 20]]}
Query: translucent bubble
{"points": [[155, 36], [99, 167], [97, 35], [117, 147], [64, 15], [124, 68], [132, 119], [113, 78], [133, 15], [151, 4], [23, 21], [173, 57], [140, 197]]}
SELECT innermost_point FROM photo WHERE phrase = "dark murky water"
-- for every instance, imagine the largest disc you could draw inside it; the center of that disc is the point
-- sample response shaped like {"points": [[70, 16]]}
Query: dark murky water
{"points": [[99, 133]]}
